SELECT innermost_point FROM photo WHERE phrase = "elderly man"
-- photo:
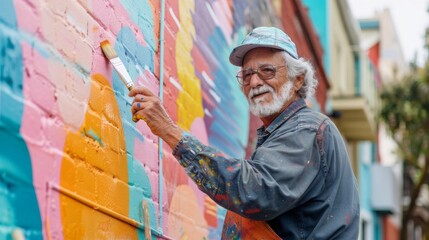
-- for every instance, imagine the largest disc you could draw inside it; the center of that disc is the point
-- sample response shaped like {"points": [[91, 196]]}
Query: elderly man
{"points": [[298, 183]]}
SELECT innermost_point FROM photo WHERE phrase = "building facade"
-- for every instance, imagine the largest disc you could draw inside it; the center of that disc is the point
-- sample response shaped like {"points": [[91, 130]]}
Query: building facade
{"points": [[382, 45]]}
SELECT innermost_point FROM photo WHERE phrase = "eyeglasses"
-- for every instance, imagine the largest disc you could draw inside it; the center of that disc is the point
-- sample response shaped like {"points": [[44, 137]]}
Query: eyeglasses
{"points": [[265, 72]]}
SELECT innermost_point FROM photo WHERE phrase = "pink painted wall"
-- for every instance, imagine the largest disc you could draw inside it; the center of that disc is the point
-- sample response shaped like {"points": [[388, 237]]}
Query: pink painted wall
{"points": [[72, 163]]}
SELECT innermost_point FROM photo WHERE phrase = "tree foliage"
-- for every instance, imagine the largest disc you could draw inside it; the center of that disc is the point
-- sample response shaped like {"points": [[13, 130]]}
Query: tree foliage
{"points": [[405, 112]]}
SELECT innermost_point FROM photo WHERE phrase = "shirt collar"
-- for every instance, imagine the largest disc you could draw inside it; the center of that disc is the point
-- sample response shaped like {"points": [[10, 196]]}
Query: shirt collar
{"points": [[294, 107]]}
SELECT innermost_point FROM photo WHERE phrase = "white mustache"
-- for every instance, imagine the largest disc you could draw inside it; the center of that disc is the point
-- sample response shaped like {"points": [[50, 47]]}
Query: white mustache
{"points": [[259, 90]]}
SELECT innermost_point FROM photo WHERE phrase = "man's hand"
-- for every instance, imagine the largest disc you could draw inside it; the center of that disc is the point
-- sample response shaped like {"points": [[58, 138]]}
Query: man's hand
{"points": [[148, 107]]}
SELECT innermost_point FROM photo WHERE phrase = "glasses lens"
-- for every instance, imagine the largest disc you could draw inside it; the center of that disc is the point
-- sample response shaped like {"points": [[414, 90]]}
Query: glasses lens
{"points": [[266, 72], [244, 76], [240, 77]]}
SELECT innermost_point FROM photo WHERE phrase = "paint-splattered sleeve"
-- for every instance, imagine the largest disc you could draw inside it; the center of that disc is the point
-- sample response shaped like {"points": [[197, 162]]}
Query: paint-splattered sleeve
{"points": [[203, 164], [261, 188]]}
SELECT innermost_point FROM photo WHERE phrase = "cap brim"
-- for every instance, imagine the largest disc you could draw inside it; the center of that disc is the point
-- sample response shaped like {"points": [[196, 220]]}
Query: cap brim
{"points": [[237, 55]]}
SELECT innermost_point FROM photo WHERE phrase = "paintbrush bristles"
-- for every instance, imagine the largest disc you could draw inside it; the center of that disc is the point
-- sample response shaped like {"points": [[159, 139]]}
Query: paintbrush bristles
{"points": [[108, 49]]}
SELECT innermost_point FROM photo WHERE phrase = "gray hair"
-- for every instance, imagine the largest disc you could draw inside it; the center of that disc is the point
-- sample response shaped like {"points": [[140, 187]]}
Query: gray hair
{"points": [[299, 67]]}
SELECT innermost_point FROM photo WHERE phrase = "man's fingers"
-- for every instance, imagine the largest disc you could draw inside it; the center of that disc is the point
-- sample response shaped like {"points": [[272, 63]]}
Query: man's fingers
{"points": [[136, 106], [138, 115], [135, 91], [140, 97], [140, 90], [135, 119]]}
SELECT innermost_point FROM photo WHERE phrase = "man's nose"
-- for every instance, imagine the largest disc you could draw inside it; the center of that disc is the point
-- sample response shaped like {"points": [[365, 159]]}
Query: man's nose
{"points": [[255, 80]]}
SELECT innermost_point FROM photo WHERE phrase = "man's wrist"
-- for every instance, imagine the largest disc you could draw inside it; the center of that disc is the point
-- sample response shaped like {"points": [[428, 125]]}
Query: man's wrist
{"points": [[172, 135]]}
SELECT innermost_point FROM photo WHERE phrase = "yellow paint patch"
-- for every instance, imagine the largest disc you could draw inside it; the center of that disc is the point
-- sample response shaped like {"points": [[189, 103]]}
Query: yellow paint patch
{"points": [[95, 167], [189, 102]]}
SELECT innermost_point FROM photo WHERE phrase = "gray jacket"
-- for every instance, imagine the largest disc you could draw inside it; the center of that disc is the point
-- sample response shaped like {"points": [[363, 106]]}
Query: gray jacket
{"points": [[298, 180]]}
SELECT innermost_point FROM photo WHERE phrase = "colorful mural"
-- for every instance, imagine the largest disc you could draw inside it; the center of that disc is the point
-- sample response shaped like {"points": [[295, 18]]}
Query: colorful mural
{"points": [[72, 163]]}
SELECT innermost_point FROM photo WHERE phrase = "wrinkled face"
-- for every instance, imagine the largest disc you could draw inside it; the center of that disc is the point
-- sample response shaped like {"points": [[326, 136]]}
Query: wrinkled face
{"points": [[266, 97]]}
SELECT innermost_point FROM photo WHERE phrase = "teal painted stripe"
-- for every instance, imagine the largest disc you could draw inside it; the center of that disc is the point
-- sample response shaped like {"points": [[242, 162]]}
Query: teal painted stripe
{"points": [[132, 53], [19, 207], [90, 133]]}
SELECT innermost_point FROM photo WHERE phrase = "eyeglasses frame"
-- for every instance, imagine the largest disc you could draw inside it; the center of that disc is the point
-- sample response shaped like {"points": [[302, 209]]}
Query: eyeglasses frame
{"points": [[256, 71]]}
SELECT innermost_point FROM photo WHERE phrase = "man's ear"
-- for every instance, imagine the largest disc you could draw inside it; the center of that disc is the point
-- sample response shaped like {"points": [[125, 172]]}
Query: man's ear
{"points": [[299, 81]]}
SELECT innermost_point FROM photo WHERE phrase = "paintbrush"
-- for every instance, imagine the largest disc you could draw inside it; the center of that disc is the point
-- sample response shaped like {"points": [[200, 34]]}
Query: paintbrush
{"points": [[117, 63]]}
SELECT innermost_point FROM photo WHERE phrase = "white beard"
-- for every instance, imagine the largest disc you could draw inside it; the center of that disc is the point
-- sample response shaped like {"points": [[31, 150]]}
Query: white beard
{"points": [[264, 110]]}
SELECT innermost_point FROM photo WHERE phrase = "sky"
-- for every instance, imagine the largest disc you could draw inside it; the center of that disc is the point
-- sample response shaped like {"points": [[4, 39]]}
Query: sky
{"points": [[410, 18]]}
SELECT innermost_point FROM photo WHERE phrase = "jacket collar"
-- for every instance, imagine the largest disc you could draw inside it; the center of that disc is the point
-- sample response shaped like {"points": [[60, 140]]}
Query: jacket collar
{"points": [[294, 107]]}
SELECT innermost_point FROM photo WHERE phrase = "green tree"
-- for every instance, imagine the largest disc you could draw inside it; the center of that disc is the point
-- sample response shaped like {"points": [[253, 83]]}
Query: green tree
{"points": [[405, 112]]}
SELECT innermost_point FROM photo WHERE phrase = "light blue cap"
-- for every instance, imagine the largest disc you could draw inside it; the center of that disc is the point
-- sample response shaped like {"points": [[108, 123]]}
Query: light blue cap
{"points": [[269, 37]]}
